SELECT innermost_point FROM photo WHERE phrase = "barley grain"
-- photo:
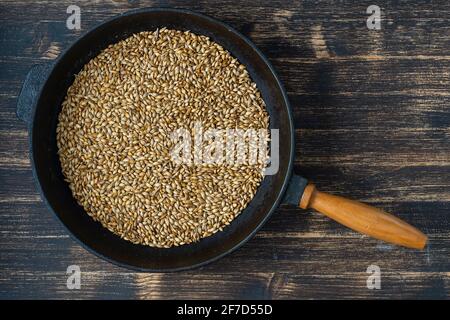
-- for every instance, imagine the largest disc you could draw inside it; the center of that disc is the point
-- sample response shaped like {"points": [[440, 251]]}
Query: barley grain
{"points": [[114, 144]]}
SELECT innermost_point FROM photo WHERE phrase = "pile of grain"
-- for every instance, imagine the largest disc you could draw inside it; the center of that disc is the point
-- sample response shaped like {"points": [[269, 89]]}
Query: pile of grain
{"points": [[114, 128]]}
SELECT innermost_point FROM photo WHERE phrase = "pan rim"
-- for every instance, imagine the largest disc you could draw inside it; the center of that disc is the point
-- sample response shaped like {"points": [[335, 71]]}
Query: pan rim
{"points": [[270, 211]]}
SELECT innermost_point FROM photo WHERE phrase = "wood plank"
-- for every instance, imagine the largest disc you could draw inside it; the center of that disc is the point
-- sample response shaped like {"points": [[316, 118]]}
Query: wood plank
{"points": [[293, 286], [371, 184], [237, 285], [369, 147]]}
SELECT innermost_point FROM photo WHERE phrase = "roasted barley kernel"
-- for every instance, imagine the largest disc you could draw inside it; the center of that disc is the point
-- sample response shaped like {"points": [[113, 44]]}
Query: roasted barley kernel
{"points": [[114, 141]]}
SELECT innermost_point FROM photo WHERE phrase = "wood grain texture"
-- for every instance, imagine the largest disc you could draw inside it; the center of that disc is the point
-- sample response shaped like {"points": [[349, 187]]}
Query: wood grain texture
{"points": [[372, 118], [365, 219]]}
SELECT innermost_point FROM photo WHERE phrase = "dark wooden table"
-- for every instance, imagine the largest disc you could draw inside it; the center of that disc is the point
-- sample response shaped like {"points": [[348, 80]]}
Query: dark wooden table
{"points": [[372, 113]]}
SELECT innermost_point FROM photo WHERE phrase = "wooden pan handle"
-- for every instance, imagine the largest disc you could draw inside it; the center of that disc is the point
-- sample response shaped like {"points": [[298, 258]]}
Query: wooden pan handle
{"points": [[363, 218]]}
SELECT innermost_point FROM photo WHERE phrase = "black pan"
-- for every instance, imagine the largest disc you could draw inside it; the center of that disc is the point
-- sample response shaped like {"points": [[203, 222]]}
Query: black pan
{"points": [[40, 103]]}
